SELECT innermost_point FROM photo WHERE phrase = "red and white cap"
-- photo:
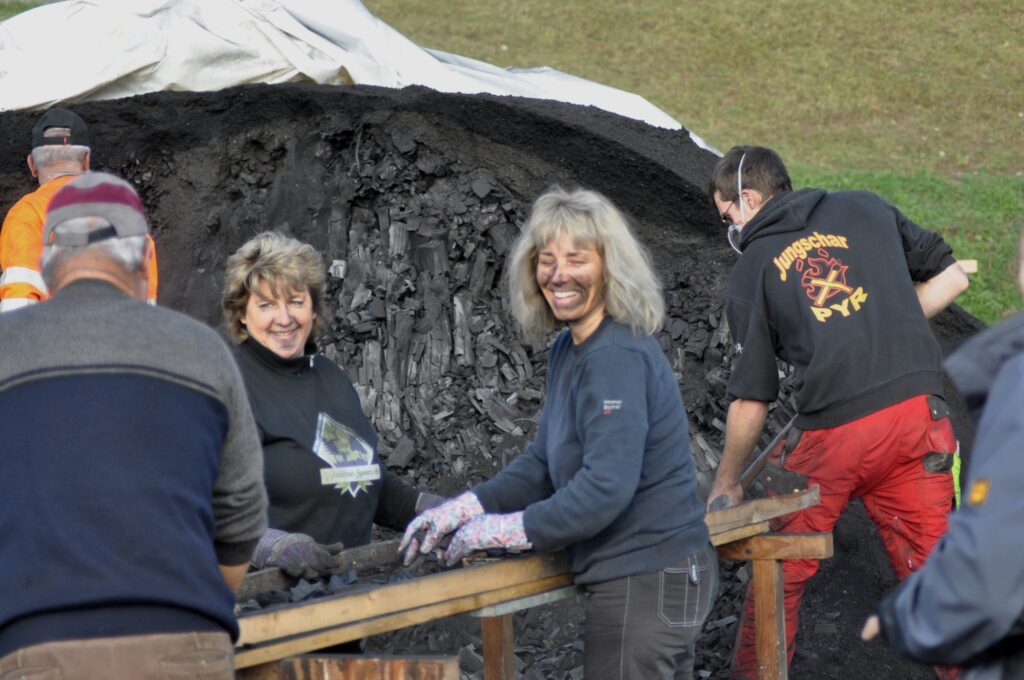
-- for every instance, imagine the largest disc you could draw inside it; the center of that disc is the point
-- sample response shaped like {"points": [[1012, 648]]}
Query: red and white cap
{"points": [[113, 202]]}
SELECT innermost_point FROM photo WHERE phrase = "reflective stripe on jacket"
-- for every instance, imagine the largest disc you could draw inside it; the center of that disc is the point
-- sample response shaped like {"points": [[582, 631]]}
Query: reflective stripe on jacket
{"points": [[21, 244]]}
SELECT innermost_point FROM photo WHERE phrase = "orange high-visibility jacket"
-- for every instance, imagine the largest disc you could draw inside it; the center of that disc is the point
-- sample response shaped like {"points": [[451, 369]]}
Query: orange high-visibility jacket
{"points": [[21, 244]]}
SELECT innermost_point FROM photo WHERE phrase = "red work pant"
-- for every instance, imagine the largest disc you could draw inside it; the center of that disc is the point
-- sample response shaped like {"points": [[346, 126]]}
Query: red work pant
{"points": [[879, 459]]}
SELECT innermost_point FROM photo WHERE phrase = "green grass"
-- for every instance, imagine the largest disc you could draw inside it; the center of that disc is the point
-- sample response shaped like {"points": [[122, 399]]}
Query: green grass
{"points": [[919, 100], [8, 8]]}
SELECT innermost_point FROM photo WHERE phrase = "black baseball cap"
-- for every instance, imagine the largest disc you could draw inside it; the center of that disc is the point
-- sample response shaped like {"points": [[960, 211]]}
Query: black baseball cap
{"points": [[44, 135]]}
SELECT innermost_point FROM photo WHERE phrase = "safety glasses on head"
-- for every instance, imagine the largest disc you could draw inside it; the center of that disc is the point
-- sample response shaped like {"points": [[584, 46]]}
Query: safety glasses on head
{"points": [[733, 233]]}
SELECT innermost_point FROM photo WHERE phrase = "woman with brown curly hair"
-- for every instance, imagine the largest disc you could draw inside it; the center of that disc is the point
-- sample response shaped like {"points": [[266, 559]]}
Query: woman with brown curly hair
{"points": [[325, 482]]}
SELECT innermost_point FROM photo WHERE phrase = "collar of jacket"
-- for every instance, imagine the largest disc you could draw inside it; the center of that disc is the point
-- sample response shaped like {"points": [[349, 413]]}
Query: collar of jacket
{"points": [[294, 366], [84, 289], [975, 365]]}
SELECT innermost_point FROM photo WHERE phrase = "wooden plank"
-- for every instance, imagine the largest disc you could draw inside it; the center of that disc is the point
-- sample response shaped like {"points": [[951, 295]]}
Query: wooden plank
{"points": [[372, 556], [383, 624], [779, 547], [769, 620], [388, 599], [526, 602], [354, 668], [760, 510], [969, 266], [739, 533], [499, 642]]}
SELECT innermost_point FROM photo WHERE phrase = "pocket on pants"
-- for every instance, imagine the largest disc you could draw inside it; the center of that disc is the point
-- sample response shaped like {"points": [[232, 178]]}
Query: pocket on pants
{"points": [[686, 590], [941, 437]]}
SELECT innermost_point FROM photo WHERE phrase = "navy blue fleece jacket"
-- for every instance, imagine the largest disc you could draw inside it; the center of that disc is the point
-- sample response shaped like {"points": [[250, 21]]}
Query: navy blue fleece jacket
{"points": [[609, 476]]}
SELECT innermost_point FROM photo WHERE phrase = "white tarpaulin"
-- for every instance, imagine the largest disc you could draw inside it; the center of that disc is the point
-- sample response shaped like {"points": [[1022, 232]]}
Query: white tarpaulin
{"points": [[80, 50]]}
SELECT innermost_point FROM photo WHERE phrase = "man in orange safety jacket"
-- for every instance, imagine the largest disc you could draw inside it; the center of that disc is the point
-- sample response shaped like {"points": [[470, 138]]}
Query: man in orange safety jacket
{"points": [[60, 152]]}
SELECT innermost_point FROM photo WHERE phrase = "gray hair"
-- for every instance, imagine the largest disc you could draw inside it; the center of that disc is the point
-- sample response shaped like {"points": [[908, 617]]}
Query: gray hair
{"points": [[52, 154], [129, 252], [632, 292]]}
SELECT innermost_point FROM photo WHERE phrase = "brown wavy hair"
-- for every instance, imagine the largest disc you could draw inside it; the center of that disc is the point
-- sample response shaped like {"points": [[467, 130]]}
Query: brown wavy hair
{"points": [[284, 264]]}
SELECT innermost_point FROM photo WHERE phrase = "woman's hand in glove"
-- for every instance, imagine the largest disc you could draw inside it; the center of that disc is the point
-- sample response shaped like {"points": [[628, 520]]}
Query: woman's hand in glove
{"points": [[436, 523], [297, 555], [488, 531]]}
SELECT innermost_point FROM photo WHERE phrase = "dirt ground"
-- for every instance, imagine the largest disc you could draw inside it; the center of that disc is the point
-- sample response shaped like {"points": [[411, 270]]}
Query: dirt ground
{"points": [[414, 195]]}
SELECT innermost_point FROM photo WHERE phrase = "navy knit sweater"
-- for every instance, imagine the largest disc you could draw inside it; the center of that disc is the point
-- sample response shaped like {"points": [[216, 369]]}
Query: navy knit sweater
{"points": [[131, 469]]}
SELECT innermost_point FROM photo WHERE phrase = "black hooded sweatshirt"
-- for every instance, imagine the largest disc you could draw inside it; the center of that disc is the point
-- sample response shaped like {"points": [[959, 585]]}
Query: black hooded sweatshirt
{"points": [[826, 283]]}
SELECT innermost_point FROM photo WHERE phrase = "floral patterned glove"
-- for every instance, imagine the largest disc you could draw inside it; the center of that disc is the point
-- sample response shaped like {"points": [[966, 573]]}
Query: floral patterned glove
{"points": [[488, 531], [436, 523]]}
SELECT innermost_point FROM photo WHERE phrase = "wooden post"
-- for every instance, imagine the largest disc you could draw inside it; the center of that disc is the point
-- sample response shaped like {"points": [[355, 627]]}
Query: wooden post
{"points": [[765, 552], [499, 643], [770, 620]]}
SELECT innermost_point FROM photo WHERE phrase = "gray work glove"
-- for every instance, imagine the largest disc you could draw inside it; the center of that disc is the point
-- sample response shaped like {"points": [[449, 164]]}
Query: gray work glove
{"points": [[297, 555], [427, 500]]}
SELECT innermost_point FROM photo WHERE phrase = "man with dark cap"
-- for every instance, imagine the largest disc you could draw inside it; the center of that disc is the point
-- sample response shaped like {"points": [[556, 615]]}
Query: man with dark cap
{"points": [[60, 152], [132, 493]]}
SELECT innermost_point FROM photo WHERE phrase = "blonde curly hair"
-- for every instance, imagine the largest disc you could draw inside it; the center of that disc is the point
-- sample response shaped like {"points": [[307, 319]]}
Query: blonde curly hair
{"points": [[632, 292]]}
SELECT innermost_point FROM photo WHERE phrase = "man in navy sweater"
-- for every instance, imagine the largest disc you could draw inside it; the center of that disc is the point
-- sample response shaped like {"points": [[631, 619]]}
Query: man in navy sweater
{"points": [[132, 493]]}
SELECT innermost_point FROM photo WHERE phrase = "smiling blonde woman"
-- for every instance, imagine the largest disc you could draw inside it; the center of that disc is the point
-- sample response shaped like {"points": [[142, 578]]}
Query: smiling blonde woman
{"points": [[609, 476]]}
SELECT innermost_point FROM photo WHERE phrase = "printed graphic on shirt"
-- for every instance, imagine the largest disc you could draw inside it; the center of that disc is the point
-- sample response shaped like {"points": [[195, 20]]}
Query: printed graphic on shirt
{"points": [[824, 280], [611, 405], [822, 275], [799, 249], [350, 457]]}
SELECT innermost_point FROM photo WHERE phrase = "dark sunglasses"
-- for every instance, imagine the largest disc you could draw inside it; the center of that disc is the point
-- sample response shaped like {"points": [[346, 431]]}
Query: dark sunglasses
{"points": [[726, 220]]}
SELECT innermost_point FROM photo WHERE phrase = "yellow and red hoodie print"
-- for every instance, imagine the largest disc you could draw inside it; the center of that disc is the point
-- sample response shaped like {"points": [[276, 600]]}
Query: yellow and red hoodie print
{"points": [[823, 275]]}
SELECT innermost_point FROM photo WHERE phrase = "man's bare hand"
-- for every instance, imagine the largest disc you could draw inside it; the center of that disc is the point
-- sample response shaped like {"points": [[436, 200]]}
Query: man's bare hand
{"points": [[732, 493], [871, 629]]}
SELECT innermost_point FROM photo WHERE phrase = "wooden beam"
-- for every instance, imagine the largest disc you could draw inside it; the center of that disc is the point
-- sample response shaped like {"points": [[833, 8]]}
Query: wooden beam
{"points": [[739, 533], [770, 620], [354, 668], [779, 547], [499, 644], [395, 597], [374, 555], [513, 606], [359, 629], [761, 509]]}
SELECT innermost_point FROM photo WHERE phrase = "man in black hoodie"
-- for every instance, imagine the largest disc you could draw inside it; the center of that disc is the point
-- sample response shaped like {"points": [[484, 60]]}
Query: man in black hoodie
{"points": [[841, 286]]}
